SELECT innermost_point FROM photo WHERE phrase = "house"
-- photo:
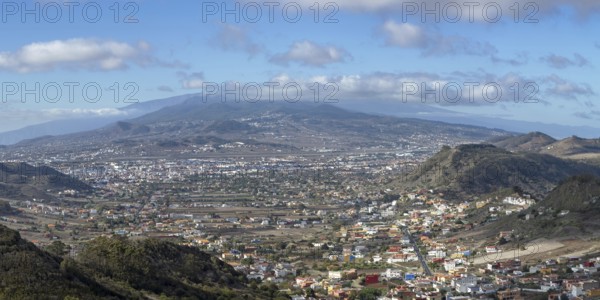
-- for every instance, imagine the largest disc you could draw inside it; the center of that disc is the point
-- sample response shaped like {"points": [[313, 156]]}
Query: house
{"points": [[255, 275], [510, 294], [350, 274], [491, 249], [371, 279], [405, 240], [392, 273], [336, 275], [463, 283], [304, 282], [436, 253], [280, 272]]}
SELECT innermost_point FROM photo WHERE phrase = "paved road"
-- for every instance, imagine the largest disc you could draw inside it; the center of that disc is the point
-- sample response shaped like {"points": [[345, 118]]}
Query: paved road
{"points": [[421, 259]]}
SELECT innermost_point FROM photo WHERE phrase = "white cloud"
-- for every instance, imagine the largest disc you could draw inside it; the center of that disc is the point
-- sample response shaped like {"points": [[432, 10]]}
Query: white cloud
{"points": [[454, 89], [563, 88], [235, 38], [73, 54], [192, 80], [311, 54], [67, 113], [406, 35], [15, 117], [562, 62]]}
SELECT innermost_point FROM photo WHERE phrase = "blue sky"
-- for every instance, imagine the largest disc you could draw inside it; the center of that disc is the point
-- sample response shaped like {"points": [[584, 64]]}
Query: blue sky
{"points": [[377, 50]]}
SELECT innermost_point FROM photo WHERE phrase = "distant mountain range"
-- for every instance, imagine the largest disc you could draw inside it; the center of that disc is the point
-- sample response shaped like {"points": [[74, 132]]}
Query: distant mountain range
{"points": [[382, 108], [185, 128], [572, 147], [468, 171]]}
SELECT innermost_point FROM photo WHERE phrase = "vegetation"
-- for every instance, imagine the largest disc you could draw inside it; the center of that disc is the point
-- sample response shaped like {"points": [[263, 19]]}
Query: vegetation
{"points": [[578, 193], [5, 207], [470, 170], [117, 268]]}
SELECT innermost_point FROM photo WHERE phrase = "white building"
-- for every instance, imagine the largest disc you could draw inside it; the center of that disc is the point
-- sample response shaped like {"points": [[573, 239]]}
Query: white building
{"points": [[335, 275], [463, 283], [392, 273]]}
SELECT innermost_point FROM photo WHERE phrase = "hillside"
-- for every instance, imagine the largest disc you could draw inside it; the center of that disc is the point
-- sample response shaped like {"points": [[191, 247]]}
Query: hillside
{"points": [[535, 142], [531, 142], [159, 267], [24, 181], [474, 170], [571, 209], [116, 268], [574, 147], [26, 272], [578, 194]]}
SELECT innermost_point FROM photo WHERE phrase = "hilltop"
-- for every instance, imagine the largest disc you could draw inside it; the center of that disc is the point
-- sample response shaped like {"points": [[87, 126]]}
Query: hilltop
{"points": [[530, 142], [478, 169]]}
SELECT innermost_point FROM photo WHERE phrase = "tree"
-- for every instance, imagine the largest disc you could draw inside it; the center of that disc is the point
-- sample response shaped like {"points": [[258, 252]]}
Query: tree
{"points": [[369, 294], [247, 261], [5, 207], [281, 245], [309, 292], [57, 248]]}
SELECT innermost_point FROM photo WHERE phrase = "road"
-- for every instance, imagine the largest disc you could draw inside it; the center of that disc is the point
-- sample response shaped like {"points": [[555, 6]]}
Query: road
{"points": [[418, 252]]}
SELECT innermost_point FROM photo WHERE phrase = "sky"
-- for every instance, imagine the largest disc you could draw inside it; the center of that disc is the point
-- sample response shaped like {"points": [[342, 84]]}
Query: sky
{"points": [[518, 60]]}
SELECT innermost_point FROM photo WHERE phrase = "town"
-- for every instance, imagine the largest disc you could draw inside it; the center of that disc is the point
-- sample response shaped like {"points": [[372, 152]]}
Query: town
{"points": [[324, 227]]}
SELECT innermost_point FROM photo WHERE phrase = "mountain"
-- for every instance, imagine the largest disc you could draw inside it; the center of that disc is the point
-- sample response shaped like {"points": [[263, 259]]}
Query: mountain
{"points": [[531, 142], [78, 124], [24, 181], [572, 147], [379, 107], [116, 268], [478, 169], [193, 128]]}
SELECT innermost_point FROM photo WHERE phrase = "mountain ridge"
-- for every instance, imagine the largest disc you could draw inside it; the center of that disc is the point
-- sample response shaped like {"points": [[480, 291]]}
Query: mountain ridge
{"points": [[467, 171], [572, 147], [270, 127]]}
